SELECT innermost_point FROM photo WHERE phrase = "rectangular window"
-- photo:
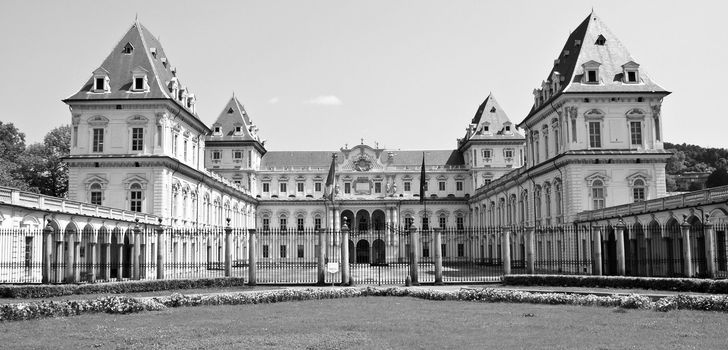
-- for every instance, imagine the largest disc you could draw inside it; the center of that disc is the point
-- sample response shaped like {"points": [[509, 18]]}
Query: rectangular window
{"points": [[317, 223], [283, 224], [486, 153], [638, 194], [595, 135], [250, 159], [299, 224], [426, 251], [96, 198], [635, 131], [266, 251], [377, 187], [28, 251], [347, 187], [317, 186], [135, 201], [591, 76], [283, 188], [443, 222], [407, 186], [300, 251], [425, 223], [408, 221], [174, 145], [299, 187], [458, 185], [509, 153], [238, 155], [598, 197], [98, 140], [284, 252], [266, 187], [460, 222], [137, 139], [216, 155], [632, 77], [100, 84], [184, 150], [441, 185], [266, 224], [461, 250]]}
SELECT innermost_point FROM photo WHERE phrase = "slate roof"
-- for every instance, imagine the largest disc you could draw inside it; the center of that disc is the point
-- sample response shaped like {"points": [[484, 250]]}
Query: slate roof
{"points": [[322, 159], [233, 115], [492, 114], [120, 65], [581, 47]]}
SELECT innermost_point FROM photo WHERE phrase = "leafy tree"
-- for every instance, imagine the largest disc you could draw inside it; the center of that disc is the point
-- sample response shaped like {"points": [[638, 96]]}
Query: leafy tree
{"points": [[676, 163], [12, 142], [719, 177], [58, 145]]}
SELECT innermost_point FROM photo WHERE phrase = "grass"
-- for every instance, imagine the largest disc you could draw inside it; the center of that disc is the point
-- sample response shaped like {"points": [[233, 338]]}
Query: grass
{"points": [[376, 322]]}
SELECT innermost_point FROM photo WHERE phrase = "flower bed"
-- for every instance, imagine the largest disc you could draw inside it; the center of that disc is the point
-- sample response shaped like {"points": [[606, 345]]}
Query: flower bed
{"points": [[694, 285], [47, 291], [123, 304]]}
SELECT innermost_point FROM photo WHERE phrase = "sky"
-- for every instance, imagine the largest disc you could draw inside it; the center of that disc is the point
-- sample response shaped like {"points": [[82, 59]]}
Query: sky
{"points": [[317, 75]]}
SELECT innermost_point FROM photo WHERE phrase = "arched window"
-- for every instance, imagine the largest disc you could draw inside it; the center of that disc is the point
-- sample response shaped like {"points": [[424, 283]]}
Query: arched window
{"points": [[136, 197], [96, 194], [557, 197], [537, 202], [638, 190], [597, 192]]}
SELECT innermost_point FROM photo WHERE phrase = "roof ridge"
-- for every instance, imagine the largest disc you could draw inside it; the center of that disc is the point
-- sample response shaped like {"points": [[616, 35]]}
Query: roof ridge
{"points": [[147, 55]]}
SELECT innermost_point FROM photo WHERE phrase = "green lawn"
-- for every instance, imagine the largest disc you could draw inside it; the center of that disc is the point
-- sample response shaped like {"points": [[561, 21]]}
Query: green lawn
{"points": [[376, 323]]}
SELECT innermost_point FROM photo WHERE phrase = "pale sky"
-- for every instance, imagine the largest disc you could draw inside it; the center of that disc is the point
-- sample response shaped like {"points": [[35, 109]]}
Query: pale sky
{"points": [[314, 75]]}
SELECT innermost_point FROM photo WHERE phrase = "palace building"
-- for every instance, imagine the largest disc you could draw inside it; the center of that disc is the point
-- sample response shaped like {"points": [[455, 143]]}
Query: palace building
{"points": [[592, 139]]}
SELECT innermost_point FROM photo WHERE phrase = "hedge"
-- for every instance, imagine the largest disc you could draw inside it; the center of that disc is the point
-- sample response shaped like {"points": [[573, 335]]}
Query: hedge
{"points": [[694, 285], [123, 304], [47, 291]]}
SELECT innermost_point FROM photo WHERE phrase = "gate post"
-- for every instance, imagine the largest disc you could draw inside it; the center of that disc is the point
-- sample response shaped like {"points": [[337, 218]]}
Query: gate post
{"points": [[321, 273], [597, 251], [530, 250], [506, 247], [344, 254], [619, 232], [228, 249], [438, 256], [709, 233], [415, 255], [47, 252], [252, 279], [160, 251], [135, 253], [687, 253]]}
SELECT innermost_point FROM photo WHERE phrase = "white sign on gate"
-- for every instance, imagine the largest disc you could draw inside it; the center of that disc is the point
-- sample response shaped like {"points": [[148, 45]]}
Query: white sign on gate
{"points": [[332, 267]]}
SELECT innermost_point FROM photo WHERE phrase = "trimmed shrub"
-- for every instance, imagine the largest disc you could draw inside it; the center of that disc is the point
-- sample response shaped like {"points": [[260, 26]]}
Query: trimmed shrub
{"points": [[694, 285]]}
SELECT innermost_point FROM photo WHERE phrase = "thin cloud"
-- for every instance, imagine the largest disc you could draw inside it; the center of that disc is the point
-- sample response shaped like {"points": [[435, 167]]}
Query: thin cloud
{"points": [[325, 100], [274, 100]]}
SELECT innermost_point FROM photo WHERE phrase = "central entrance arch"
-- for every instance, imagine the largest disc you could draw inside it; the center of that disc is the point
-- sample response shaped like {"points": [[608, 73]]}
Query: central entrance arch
{"points": [[378, 220], [362, 221], [362, 252]]}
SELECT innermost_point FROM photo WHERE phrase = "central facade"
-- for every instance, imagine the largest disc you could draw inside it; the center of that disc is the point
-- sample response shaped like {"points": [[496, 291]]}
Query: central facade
{"points": [[592, 139]]}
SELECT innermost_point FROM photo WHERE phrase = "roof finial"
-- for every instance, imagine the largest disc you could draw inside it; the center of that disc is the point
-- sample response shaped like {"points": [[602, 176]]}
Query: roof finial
{"points": [[136, 17]]}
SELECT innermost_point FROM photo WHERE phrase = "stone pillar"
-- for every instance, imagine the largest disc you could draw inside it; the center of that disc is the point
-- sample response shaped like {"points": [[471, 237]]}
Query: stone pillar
{"points": [[106, 264], [687, 254], [321, 273], [68, 254], [160, 251], [228, 249], [414, 255], [619, 232], [648, 256], [76, 254], [345, 255], [710, 247], [92, 258], [47, 253], [135, 253], [530, 250], [59, 258], [337, 226], [120, 268], [506, 246], [438, 255], [252, 257], [597, 251]]}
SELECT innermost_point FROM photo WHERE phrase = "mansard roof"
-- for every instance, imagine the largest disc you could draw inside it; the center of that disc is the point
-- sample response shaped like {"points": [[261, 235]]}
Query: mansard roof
{"points": [[322, 159], [232, 116], [593, 41], [146, 53]]}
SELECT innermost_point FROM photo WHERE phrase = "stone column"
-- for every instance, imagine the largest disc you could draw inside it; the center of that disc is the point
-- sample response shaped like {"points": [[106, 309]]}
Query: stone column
{"points": [[120, 268], [92, 258], [710, 247], [228, 249], [414, 255], [530, 250], [687, 254], [345, 255], [135, 253], [68, 254], [438, 255], [597, 251], [321, 280], [252, 257], [160, 251], [106, 265], [47, 253], [59, 258], [506, 246], [76, 254], [619, 232]]}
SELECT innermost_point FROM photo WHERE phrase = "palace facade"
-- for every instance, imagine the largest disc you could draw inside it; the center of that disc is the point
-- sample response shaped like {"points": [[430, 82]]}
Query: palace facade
{"points": [[592, 139]]}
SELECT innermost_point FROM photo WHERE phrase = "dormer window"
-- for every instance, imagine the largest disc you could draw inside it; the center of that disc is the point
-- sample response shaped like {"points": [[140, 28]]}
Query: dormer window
{"points": [[128, 48], [238, 129], [217, 130], [101, 81], [139, 80], [230, 110], [630, 71], [508, 128], [153, 51], [601, 40], [591, 72]]}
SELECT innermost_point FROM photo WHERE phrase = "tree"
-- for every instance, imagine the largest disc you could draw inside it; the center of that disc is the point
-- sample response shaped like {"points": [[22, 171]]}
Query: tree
{"points": [[676, 163], [12, 141], [58, 144], [719, 177]]}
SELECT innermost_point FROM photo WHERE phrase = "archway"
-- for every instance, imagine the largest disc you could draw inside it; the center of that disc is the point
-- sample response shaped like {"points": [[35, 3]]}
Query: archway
{"points": [[655, 266], [640, 259], [378, 220], [115, 258], [698, 246], [673, 248], [126, 266], [69, 249], [362, 221], [352, 252], [362, 252], [346, 218], [379, 252], [610, 252], [86, 256]]}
